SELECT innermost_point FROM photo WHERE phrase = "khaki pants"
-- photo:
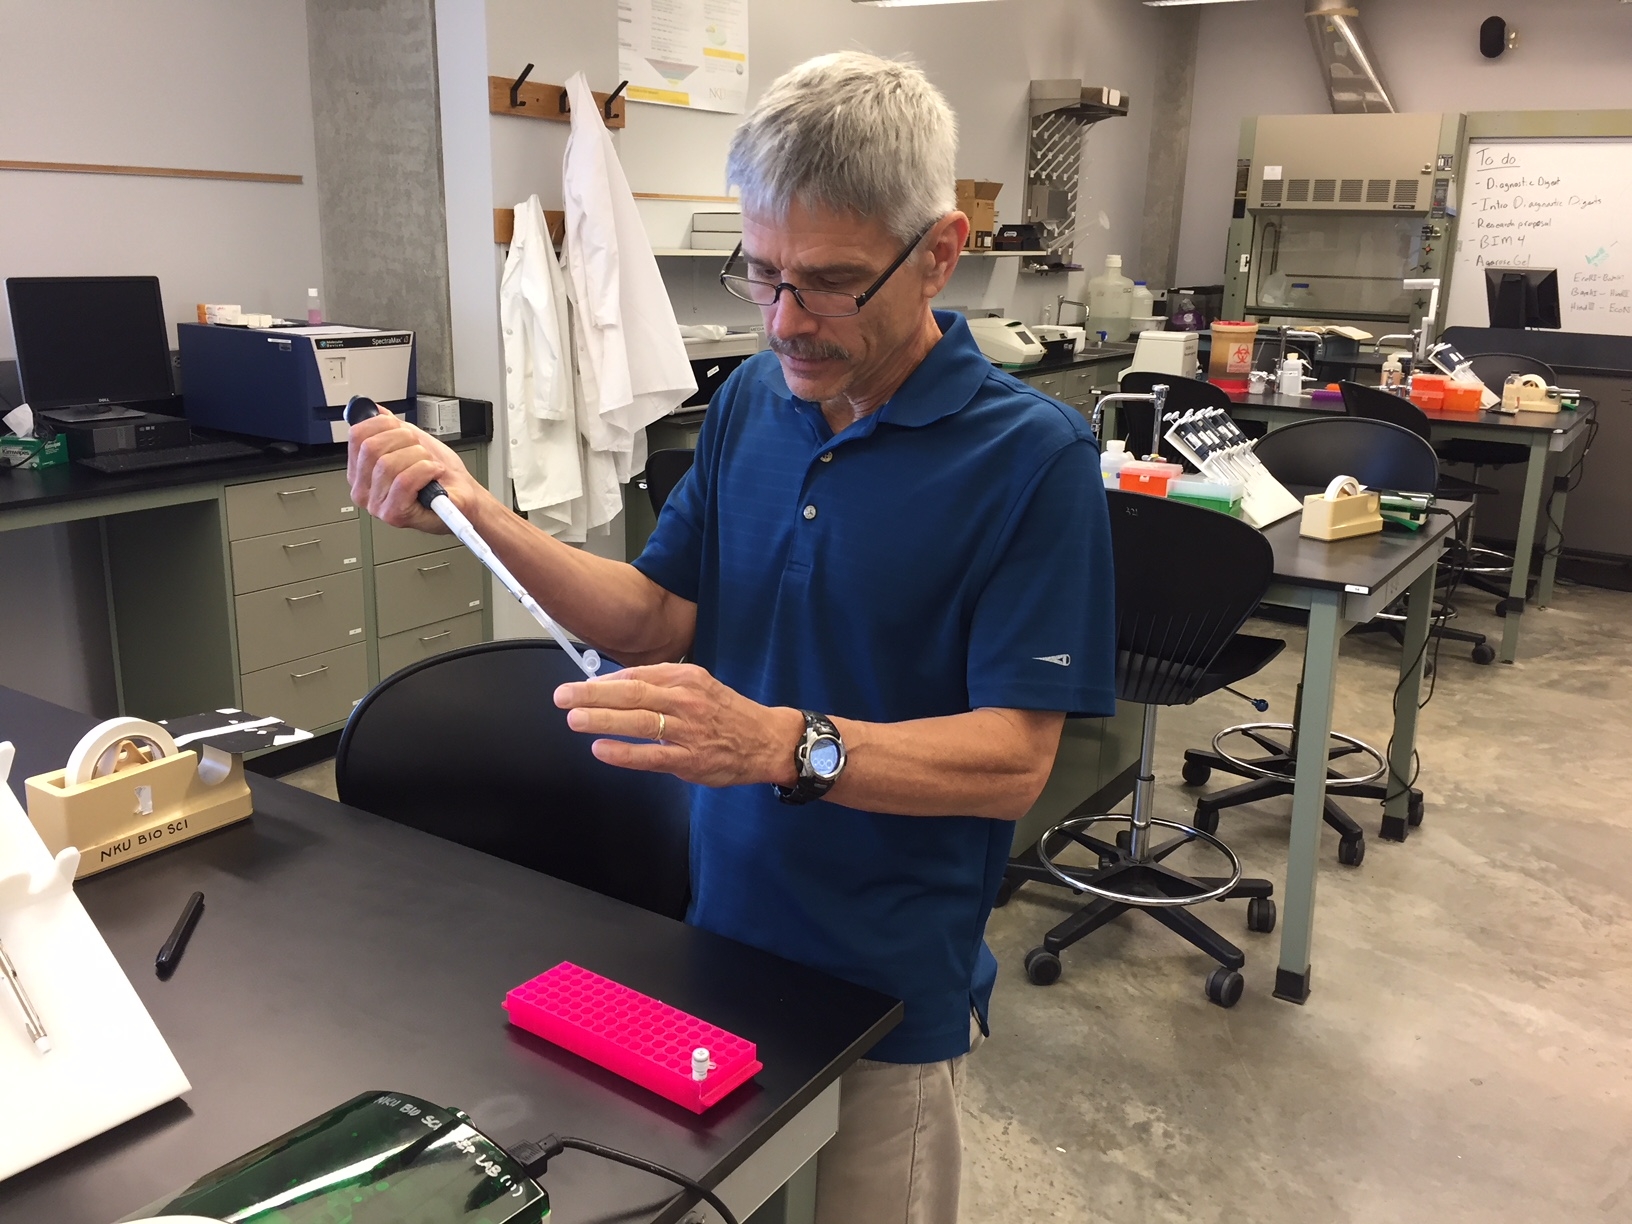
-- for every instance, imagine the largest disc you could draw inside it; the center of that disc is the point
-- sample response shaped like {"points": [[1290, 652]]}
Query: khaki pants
{"points": [[898, 1154]]}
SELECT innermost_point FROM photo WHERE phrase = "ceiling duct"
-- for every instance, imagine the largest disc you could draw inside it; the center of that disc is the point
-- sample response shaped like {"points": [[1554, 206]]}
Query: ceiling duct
{"points": [[1353, 80]]}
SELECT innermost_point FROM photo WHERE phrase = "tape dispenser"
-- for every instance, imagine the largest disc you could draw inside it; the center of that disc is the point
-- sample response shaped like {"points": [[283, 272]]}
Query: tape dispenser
{"points": [[1347, 508], [128, 790]]}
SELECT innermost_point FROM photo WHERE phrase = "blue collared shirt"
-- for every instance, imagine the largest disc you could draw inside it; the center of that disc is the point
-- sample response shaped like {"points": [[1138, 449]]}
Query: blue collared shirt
{"points": [[948, 552]]}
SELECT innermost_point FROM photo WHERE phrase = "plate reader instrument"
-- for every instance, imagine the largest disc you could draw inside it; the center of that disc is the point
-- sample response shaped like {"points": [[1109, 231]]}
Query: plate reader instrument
{"points": [[435, 499]]}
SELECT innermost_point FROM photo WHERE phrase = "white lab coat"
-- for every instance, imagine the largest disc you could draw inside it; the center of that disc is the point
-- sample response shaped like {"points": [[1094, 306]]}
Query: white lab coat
{"points": [[631, 360], [540, 388]]}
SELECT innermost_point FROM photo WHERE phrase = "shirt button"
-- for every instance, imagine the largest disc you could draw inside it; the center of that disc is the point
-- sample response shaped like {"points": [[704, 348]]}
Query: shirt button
{"points": [[508, 332], [810, 512], [827, 456]]}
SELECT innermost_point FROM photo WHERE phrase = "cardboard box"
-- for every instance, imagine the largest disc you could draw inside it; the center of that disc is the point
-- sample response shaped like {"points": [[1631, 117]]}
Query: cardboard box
{"points": [[977, 199], [33, 452]]}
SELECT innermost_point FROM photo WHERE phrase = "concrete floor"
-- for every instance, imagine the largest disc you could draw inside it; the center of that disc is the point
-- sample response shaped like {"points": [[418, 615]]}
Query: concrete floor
{"points": [[1466, 1054]]}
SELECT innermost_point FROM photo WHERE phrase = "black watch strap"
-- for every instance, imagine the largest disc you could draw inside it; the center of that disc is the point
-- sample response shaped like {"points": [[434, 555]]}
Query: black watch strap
{"points": [[809, 784]]}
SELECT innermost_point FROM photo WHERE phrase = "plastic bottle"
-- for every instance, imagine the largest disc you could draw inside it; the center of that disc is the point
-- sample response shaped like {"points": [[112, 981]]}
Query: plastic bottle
{"points": [[1112, 460], [1393, 371], [1144, 302], [1110, 300], [1291, 375], [314, 308]]}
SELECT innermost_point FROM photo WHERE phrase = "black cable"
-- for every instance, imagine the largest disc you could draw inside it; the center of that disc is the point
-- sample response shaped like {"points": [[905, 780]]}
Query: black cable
{"points": [[534, 1156], [1572, 481], [1439, 623]]}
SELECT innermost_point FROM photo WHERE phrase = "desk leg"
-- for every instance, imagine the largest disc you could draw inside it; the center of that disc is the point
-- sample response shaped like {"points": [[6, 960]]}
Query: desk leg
{"points": [[1555, 526], [1535, 474], [1396, 809], [1308, 795]]}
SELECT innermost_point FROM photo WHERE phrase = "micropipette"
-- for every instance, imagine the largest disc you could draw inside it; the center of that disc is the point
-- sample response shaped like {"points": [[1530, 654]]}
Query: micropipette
{"points": [[435, 499]]}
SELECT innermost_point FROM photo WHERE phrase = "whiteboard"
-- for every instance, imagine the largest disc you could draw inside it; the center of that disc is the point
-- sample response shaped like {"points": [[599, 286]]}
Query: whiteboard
{"points": [[1548, 203]]}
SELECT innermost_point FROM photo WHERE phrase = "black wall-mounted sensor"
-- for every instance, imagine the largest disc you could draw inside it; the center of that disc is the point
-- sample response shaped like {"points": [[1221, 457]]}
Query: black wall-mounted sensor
{"points": [[1493, 37]]}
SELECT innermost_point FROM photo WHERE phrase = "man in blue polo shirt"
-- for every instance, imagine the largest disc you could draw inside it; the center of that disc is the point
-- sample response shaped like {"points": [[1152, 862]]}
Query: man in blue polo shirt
{"points": [[890, 569]]}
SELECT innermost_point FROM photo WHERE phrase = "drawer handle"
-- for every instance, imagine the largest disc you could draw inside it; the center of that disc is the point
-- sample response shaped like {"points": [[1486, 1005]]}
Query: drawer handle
{"points": [[433, 637], [297, 492], [299, 598], [303, 544], [313, 672], [427, 569]]}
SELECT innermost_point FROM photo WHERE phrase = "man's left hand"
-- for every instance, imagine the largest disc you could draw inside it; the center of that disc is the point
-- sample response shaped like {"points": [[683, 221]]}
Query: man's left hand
{"points": [[708, 733]]}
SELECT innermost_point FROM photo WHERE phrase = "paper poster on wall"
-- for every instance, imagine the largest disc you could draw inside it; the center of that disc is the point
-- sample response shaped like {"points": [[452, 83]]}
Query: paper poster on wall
{"points": [[691, 53]]}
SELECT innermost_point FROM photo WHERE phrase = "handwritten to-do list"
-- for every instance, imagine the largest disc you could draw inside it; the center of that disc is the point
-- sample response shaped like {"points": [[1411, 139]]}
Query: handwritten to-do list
{"points": [[1564, 204]]}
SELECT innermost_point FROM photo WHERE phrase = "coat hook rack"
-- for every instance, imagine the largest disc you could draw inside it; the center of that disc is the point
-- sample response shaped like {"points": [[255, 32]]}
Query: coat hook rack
{"points": [[515, 88], [540, 100], [606, 107]]}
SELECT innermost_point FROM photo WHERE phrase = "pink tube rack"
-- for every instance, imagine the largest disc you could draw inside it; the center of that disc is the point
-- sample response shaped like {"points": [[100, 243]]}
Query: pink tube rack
{"points": [[634, 1035]]}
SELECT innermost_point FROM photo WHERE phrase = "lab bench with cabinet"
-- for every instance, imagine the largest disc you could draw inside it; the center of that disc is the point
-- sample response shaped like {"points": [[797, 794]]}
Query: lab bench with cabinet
{"points": [[255, 583]]}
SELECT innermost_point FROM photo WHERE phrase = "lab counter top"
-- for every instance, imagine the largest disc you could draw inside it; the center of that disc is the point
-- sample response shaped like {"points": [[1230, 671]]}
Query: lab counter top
{"points": [[1090, 356]]}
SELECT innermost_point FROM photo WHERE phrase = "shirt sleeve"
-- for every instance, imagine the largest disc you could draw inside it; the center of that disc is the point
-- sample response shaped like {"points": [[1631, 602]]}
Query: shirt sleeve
{"points": [[673, 556], [1043, 636]]}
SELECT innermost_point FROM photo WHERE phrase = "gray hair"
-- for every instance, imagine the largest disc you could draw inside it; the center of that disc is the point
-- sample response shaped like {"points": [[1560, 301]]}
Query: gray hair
{"points": [[849, 132]]}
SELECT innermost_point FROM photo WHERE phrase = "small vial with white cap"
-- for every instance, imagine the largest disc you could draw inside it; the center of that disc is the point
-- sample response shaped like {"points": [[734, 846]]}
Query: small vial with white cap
{"points": [[314, 308], [700, 1064]]}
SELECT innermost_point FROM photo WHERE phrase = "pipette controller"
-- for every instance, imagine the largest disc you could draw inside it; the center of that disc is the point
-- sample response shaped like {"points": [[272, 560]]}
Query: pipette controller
{"points": [[435, 499]]}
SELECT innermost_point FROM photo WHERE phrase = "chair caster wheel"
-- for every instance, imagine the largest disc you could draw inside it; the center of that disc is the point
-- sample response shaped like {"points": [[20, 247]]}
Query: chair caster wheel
{"points": [[1224, 987], [1206, 819], [1484, 653], [1005, 891], [1427, 669], [1043, 967], [1124, 843], [1501, 607], [1413, 809], [1261, 915], [1196, 773], [1351, 851]]}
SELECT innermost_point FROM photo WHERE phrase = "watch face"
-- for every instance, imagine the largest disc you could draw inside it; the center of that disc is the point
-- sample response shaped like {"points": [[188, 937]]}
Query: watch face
{"points": [[824, 757]]}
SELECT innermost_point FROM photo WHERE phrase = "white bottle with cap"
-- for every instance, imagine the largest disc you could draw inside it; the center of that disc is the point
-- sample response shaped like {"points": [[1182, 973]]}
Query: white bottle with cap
{"points": [[1291, 375], [1110, 301], [1112, 460]]}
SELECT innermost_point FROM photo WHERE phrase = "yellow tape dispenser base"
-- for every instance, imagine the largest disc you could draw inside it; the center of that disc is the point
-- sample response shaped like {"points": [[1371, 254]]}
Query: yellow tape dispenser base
{"points": [[1346, 509], [128, 791]]}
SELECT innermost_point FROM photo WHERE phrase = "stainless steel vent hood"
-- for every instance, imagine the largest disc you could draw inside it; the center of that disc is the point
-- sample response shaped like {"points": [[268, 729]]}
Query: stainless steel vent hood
{"points": [[1353, 81]]}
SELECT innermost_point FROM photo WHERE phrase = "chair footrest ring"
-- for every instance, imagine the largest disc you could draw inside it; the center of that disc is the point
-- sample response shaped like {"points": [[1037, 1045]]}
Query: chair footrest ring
{"points": [[1256, 770], [1141, 900]]}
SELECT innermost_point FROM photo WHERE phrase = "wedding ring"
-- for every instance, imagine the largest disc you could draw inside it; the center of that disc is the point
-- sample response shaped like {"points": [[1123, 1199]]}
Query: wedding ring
{"points": [[661, 723]]}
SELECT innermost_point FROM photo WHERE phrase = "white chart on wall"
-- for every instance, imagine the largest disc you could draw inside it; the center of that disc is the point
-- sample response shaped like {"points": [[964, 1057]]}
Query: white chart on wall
{"points": [[691, 53], [1549, 203]]}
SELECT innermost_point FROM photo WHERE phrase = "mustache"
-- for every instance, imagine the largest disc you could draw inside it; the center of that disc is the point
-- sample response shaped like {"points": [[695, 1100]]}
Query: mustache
{"points": [[808, 350]]}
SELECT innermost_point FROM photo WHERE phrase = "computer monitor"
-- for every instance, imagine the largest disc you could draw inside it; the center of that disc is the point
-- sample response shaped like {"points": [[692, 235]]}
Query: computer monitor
{"points": [[1522, 297], [90, 340]]}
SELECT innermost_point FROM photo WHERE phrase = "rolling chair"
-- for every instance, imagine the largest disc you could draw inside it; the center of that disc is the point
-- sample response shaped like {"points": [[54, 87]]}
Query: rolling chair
{"points": [[664, 470], [1137, 422], [1379, 405], [1490, 569], [1310, 453], [1176, 640], [470, 747]]}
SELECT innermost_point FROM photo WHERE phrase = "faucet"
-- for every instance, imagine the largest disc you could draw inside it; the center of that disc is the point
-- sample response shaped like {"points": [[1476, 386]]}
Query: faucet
{"points": [[1296, 333], [1156, 398], [1061, 302]]}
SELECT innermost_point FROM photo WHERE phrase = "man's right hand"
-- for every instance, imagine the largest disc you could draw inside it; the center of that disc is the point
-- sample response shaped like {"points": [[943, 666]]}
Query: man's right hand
{"points": [[388, 462]]}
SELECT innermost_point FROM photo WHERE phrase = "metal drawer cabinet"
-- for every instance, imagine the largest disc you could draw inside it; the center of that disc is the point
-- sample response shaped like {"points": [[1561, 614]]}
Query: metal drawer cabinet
{"points": [[411, 645], [290, 556], [395, 543], [420, 590], [299, 619], [310, 692], [270, 506]]}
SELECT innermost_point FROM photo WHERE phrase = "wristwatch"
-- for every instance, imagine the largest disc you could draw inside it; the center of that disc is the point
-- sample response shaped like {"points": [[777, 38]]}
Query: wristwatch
{"points": [[818, 759]]}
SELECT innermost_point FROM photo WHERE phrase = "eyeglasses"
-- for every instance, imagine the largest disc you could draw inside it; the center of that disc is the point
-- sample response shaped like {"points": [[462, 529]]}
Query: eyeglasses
{"points": [[826, 303]]}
